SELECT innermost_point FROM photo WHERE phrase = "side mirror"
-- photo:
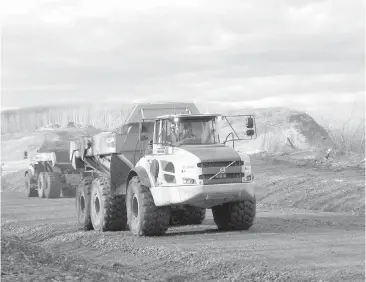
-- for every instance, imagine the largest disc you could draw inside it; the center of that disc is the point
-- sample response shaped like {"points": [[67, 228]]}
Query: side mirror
{"points": [[250, 132], [250, 123]]}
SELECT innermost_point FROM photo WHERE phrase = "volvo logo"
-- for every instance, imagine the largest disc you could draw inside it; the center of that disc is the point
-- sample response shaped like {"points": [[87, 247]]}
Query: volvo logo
{"points": [[222, 170]]}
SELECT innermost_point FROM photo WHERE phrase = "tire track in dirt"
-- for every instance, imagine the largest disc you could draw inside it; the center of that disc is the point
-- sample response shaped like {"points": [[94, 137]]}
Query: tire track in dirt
{"points": [[285, 244]]}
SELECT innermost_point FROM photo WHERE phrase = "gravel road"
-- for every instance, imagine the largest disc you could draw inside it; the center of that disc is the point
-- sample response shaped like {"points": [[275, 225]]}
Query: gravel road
{"points": [[283, 245]]}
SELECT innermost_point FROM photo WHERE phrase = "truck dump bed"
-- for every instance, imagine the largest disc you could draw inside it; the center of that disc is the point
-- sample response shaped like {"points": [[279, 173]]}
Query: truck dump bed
{"points": [[151, 111], [60, 150]]}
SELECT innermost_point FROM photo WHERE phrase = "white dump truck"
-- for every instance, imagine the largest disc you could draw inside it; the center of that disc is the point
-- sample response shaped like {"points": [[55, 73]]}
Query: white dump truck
{"points": [[166, 165], [50, 173]]}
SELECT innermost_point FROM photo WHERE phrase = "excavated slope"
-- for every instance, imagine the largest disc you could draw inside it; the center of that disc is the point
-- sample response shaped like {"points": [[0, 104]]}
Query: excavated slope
{"points": [[279, 130]]}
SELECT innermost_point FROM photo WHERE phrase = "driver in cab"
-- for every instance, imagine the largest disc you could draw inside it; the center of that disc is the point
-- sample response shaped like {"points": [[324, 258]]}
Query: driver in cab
{"points": [[173, 134], [187, 132]]}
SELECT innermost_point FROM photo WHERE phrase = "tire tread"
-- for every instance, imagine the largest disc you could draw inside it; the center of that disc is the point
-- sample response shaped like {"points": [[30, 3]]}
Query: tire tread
{"points": [[235, 215]]}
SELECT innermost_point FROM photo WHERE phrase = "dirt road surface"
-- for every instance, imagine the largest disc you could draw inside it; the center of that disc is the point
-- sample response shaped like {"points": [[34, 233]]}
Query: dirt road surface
{"points": [[283, 244], [324, 242]]}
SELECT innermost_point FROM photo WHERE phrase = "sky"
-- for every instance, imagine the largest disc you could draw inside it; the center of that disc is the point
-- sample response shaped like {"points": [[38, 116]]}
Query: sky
{"points": [[307, 55]]}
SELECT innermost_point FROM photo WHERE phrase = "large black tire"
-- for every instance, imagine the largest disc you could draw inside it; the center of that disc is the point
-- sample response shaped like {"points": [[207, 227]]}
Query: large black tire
{"points": [[144, 218], [40, 184], [53, 185], [83, 201], [187, 215], [235, 215], [108, 211], [29, 188]]}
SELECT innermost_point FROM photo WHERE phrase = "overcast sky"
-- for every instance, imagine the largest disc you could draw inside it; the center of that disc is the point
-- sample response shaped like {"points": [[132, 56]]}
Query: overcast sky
{"points": [[295, 53]]}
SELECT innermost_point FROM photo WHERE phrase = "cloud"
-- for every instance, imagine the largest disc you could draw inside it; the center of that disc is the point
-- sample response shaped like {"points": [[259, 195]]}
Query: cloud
{"points": [[233, 51]]}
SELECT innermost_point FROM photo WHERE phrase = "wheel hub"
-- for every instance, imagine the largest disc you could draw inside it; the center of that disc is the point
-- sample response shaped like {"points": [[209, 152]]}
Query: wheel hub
{"points": [[135, 206], [97, 205], [82, 204]]}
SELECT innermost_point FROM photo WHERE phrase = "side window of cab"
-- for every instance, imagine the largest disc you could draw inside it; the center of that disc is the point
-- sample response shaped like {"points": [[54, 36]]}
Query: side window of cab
{"points": [[165, 132], [157, 132]]}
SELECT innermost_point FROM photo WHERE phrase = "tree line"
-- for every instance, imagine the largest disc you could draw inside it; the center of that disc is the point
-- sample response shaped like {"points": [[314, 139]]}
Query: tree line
{"points": [[102, 117]]}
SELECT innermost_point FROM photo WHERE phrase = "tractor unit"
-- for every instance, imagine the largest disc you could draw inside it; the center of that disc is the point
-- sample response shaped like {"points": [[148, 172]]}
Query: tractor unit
{"points": [[165, 166], [50, 173]]}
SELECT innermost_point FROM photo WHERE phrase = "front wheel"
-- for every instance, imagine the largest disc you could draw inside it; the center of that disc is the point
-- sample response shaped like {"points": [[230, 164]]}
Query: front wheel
{"points": [[236, 215], [144, 218]]}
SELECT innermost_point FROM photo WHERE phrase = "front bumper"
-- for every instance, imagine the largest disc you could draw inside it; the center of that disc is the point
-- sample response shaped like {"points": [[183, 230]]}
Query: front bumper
{"points": [[205, 196]]}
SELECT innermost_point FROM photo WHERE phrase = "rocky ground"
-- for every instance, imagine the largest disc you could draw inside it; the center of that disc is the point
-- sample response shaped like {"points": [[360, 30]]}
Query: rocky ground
{"points": [[309, 227]]}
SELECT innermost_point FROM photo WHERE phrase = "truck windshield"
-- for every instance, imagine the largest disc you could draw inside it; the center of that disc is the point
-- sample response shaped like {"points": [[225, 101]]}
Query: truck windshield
{"points": [[191, 131]]}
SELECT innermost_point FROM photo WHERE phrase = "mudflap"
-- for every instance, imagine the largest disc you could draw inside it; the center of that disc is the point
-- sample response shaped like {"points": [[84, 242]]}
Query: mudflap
{"points": [[119, 174]]}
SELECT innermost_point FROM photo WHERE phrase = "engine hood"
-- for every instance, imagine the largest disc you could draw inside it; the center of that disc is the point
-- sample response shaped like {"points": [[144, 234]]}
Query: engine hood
{"points": [[216, 153]]}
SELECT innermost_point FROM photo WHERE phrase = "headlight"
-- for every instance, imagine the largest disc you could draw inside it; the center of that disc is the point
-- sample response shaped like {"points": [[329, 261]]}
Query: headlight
{"points": [[246, 169], [188, 180]]}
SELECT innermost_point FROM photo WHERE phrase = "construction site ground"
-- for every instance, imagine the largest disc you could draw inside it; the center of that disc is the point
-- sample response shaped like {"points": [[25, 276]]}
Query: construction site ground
{"points": [[310, 226]]}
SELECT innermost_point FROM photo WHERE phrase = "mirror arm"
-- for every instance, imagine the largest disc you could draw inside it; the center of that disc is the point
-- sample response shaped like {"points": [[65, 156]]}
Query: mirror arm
{"points": [[231, 133], [232, 128], [226, 138]]}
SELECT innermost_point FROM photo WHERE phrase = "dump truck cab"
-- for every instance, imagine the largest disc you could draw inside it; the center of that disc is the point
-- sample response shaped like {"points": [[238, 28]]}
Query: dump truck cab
{"points": [[187, 163], [182, 129]]}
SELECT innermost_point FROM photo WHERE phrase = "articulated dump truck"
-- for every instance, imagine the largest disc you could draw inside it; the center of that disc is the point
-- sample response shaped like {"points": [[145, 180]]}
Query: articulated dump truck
{"points": [[50, 173], [165, 166]]}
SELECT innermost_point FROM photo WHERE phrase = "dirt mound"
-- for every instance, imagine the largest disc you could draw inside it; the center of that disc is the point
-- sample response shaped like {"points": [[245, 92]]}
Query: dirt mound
{"points": [[280, 130], [318, 193], [332, 160], [336, 184], [315, 135]]}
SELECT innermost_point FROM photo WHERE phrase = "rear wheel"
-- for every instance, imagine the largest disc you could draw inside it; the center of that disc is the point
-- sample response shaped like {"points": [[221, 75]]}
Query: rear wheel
{"points": [[29, 188], [144, 218], [40, 184], [83, 204], [108, 211], [235, 215], [53, 185], [187, 215]]}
